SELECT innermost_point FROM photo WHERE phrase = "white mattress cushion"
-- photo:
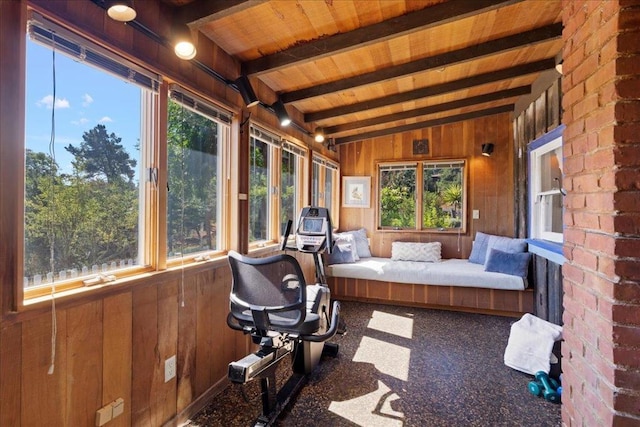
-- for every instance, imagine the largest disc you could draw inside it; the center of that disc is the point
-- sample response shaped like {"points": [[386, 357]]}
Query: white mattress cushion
{"points": [[415, 251], [449, 272]]}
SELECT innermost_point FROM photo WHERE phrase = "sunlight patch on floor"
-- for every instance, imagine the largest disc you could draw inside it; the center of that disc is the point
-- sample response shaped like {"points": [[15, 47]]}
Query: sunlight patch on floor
{"points": [[371, 410], [391, 324], [389, 359]]}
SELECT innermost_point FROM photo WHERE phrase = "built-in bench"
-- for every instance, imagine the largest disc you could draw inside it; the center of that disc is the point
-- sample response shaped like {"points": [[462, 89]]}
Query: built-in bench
{"points": [[455, 284]]}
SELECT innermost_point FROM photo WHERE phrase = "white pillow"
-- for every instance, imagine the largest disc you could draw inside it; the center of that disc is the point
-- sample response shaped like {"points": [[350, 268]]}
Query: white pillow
{"points": [[412, 251]]}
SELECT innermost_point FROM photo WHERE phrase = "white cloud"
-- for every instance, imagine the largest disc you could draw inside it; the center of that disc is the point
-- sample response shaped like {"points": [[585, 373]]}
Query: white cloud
{"points": [[47, 102], [105, 119], [82, 121], [86, 100]]}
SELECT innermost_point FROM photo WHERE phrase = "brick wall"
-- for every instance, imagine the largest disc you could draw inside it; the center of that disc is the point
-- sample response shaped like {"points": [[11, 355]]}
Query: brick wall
{"points": [[601, 86]]}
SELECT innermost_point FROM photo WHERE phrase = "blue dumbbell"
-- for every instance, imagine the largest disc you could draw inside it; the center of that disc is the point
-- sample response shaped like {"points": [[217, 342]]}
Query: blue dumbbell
{"points": [[545, 386]]}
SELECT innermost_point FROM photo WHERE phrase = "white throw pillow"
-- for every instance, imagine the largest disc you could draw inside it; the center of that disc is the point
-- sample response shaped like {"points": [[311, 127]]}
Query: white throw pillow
{"points": [[412, 251]]}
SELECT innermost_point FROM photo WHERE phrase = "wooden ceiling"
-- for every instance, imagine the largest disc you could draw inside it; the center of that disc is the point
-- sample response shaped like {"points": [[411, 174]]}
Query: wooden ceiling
{"points": [[365, 68]]}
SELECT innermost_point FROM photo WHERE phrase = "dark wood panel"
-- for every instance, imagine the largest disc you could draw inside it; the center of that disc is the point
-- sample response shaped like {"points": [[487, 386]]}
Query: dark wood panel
{"points": [[541, 287]]}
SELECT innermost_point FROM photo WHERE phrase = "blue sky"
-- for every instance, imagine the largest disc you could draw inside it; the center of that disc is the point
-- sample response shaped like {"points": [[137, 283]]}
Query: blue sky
{"points": [[85, 97]]}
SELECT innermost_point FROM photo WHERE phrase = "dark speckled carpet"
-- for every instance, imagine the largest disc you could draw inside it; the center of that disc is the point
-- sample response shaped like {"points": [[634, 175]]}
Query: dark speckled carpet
{"points": [[401, 366]]}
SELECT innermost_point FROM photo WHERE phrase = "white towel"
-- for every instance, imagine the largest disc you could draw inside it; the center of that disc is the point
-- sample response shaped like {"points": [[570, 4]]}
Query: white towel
{"points": [[530, 344]]}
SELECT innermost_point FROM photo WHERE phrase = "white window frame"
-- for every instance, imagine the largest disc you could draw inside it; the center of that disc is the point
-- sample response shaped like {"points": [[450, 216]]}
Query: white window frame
{"points": [[321, 168], [539, 201]]}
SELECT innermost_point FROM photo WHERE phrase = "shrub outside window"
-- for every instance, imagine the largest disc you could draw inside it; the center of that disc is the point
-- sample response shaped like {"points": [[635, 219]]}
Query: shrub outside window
{"points": [[397, 196]]}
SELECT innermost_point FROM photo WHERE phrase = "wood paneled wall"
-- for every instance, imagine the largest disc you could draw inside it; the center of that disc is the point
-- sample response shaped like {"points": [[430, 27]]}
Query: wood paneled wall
{"points": [[490, 180]]}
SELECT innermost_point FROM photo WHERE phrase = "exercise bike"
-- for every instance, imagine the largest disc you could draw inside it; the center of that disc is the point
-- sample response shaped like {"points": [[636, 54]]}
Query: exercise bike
{"points": [[271, 301]]}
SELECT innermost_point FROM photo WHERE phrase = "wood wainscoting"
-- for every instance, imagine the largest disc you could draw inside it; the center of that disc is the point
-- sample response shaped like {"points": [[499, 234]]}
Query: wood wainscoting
{"points": [[458, 298]]}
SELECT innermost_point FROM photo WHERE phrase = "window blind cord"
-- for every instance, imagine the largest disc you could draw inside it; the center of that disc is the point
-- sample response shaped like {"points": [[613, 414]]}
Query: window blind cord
{"points": [[52, 212]]}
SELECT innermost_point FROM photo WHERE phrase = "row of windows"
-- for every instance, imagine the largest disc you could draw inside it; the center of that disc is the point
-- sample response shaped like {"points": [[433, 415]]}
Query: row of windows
{"points": [[93, 163]]}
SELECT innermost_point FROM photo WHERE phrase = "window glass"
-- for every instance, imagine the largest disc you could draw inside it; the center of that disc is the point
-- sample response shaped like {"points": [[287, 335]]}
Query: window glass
{"points": [[259, 180], [195, 144], [397, 196], [291, 183], [442, 195], [324, 184], [86, 145]]}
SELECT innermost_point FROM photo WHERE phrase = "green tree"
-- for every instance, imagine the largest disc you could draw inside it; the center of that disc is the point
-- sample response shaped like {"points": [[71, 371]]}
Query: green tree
{"points": [[102, 155]]}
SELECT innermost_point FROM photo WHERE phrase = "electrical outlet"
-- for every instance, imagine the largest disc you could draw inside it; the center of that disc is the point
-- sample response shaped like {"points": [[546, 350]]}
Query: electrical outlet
{"points": [[170, 368], [476, 214]]}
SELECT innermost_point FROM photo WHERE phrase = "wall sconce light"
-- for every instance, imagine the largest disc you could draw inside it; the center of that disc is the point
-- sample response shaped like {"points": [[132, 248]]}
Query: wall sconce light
{"points": [[319, 135], [487, 149], [331, 145], [281, 113], [120, 10], [183, 42], [246, 91]]}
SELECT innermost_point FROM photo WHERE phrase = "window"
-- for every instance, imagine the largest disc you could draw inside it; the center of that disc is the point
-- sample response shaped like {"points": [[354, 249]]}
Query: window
{"points": [[443, 195], [433, 191], [397, 196], [197, 136], [291, 183], [324, 185], [263, 147], [545, 157], [88, 151]]}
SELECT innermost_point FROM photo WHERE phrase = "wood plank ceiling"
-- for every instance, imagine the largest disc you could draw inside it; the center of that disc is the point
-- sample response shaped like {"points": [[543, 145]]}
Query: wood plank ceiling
{"points": [[364, 68]]}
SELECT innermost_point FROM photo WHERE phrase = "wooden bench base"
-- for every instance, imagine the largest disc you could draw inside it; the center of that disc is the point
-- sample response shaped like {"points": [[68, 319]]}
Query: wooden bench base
{"points": [[475, 300]]}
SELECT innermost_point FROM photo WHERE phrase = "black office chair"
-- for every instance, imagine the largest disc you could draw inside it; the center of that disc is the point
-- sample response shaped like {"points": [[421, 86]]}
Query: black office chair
{"points": [[270, 294], [271, 301]]}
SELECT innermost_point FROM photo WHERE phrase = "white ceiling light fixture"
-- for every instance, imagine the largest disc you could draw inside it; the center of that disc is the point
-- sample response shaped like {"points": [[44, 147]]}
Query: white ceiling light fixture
{"points": [[121, 10], [183, 46]]}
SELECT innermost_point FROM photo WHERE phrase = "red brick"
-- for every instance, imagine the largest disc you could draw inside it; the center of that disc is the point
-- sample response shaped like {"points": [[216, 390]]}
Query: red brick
{"points": [[575, 236], [627, 154], [628, 110], [627, 223], [629, 18], [629, 42], [628, 292], [585, 183], [628, 88], [622, 313], [601, 118], [627, 201], [573, 164], [600, 159], [627, 379], [628, 65], [627, 179], [603, 286], [600, 242], [627, 247], [601, 201], [628, 269], [587, 220], [607, 266], [627, 402], [600, 77], [572, 96]]}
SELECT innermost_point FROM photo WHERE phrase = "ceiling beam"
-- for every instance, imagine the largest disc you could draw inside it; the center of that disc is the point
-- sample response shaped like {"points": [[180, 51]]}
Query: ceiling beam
{"points": [[492, 76], [425, 124], [361, 37], [504, 44], [201, 12], [459, 103]]}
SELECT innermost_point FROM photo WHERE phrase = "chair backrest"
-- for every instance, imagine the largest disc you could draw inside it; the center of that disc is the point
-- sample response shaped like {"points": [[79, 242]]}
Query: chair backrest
{"points": [[268, 293]]}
